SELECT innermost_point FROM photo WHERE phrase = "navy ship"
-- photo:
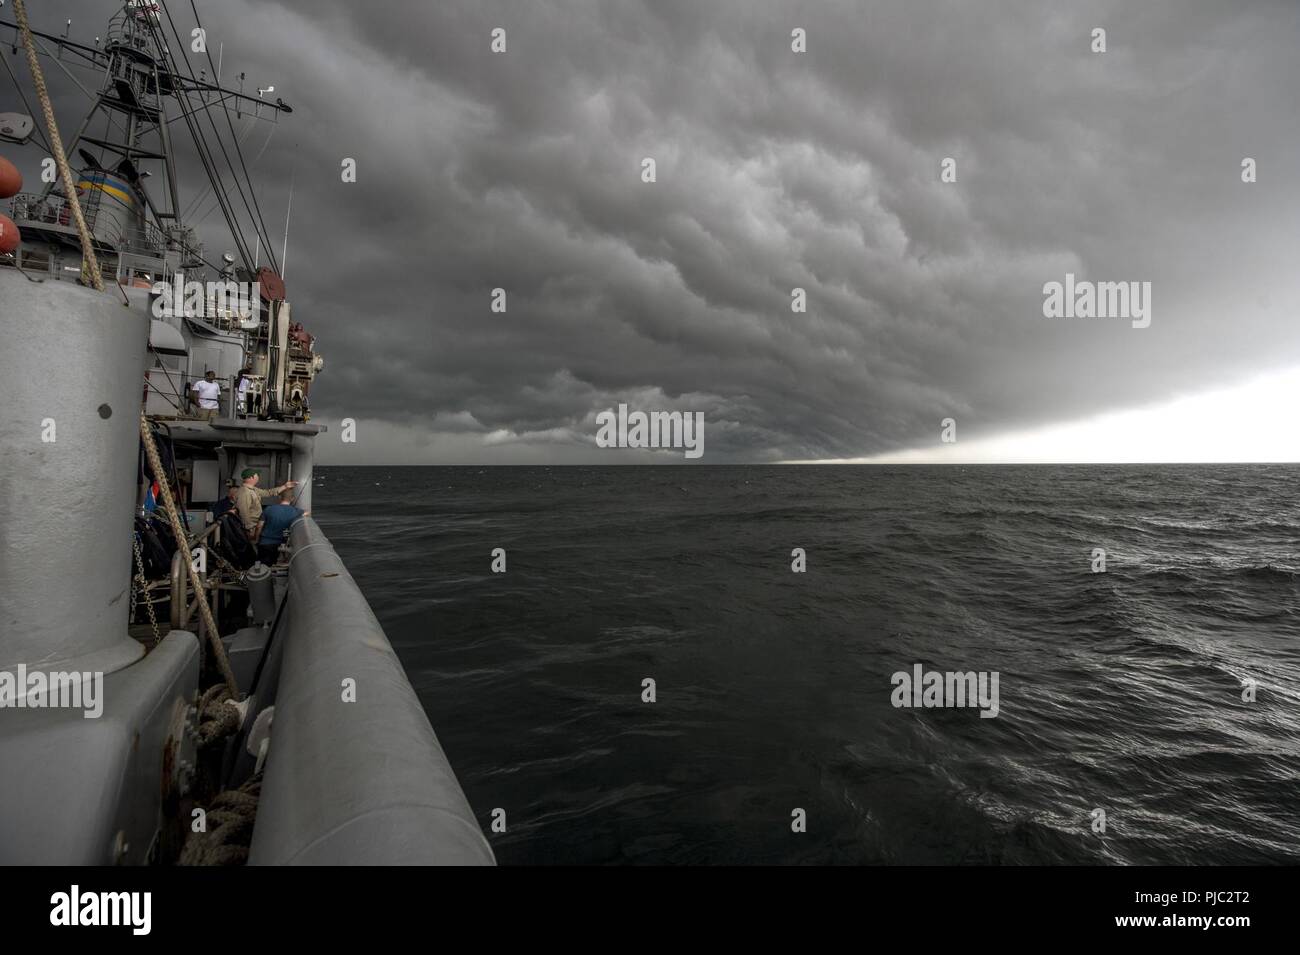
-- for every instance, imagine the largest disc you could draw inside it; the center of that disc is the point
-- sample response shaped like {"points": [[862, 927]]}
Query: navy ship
{"points": [[170, 693]]}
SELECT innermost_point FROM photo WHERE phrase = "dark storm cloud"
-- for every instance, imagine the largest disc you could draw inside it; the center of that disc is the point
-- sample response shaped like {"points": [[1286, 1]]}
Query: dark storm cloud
{"points": [[818, 170]]}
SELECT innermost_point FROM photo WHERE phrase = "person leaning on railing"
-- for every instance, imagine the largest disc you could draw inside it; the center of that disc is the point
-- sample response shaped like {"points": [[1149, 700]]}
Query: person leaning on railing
{"points": [[249, 498], [273, 527]]}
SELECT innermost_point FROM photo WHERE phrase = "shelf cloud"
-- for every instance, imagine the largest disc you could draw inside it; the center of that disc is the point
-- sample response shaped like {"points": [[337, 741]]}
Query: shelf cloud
{"points": [[775, 170]]}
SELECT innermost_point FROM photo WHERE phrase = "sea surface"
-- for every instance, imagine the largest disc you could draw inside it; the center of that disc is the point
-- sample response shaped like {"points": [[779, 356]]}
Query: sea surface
{"points": [[1119, 691]]}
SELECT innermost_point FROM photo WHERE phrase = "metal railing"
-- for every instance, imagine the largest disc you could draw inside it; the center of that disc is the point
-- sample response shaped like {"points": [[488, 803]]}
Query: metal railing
{"points": [[176, 589], [129, 28], [228, 404], [182, 608], [56, 210]]}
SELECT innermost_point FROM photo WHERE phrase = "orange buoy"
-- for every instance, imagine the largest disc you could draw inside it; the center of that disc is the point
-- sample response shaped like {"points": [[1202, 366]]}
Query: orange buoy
{"points": [[9, 236], [11, 180]]}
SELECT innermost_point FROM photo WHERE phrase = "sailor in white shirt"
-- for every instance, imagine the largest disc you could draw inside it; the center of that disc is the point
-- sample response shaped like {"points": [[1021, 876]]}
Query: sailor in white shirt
{"points": [[207, 393], [244, 384]]}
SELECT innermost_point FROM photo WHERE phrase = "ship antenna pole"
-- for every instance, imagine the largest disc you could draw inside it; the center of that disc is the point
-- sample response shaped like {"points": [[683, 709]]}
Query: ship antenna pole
{"points": [[285, 251]]}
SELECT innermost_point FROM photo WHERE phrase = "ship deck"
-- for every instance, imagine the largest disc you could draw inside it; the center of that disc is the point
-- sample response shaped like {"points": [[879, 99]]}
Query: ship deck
{"points": [[238, 430]]}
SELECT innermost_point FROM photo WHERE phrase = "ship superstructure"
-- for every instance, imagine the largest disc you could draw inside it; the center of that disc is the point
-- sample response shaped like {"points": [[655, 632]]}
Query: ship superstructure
{"points": [[129, 195]]}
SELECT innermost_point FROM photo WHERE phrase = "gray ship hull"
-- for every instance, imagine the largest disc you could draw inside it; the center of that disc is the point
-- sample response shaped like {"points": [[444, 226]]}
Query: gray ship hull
{"points": [[351, 771]]}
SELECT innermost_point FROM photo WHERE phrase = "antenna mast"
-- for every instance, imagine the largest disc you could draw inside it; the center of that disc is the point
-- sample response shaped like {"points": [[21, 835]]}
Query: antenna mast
{"points": [[284, 253]]}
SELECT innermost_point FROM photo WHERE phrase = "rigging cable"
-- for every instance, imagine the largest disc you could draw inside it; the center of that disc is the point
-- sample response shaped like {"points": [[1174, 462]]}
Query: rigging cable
{"points": [[220, 142], [190, 211], [225, 109], [26, 105], [200, 142], [193, 205]]}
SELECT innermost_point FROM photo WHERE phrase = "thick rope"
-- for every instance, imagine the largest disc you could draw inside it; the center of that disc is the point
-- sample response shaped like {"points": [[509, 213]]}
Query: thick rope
{"points": [[218, 717], [182, 540], [229, 832], [89, 263]]}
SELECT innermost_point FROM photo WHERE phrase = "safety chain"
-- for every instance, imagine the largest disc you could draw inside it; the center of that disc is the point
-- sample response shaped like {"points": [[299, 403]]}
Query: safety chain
{"points": [[141, 589]]}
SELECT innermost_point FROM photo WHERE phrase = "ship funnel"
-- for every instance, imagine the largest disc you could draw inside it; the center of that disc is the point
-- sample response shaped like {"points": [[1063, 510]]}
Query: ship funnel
{"points": [[72, 366]]}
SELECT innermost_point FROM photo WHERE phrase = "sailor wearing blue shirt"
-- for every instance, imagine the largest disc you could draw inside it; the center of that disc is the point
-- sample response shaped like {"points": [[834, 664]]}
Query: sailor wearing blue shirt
{"points": [[274, 524]]}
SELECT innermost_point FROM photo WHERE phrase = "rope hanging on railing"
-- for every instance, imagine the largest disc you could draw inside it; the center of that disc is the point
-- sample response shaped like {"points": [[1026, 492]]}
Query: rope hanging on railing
{"points": [[182, 541], [89, 262]]}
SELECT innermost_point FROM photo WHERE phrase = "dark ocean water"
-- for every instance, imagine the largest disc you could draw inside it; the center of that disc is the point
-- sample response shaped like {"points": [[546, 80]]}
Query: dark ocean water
{"points": [[1120, 690]]}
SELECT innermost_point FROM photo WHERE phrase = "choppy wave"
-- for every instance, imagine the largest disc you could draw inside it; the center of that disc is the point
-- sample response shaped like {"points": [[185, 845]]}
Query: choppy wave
{"points": [[1120, 691]]}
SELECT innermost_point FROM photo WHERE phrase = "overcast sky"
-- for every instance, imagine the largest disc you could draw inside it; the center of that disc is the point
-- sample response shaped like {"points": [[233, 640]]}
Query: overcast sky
{"points": [[776, 169]]}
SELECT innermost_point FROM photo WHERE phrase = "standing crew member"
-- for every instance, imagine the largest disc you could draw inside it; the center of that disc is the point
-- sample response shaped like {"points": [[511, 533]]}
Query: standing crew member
{"points": [[274, 524], [249, 498], [207, 394], [245, 382]]}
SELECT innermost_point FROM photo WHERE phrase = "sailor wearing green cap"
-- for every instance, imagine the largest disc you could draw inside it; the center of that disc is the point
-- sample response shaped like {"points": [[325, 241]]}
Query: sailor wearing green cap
{"points": [[249, 498]]}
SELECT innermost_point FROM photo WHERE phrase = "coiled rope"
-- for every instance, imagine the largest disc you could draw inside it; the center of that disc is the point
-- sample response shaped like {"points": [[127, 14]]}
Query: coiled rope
{"points": [[229, 817], [229, 828], [217, 717]]}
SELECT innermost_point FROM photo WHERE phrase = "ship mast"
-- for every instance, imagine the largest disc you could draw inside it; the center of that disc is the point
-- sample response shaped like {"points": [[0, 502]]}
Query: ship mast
{"points": [[146, 88]]}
